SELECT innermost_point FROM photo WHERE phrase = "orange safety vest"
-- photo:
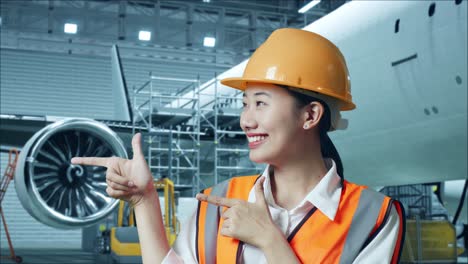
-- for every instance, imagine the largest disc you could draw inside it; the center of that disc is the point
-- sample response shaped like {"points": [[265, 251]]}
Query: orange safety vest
{"points": [[361, 214]]}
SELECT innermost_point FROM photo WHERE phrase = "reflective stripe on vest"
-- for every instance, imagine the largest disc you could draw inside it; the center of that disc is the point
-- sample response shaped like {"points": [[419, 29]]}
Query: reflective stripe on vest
{"points": [[363, 222], [211, 224], [316, 239]]}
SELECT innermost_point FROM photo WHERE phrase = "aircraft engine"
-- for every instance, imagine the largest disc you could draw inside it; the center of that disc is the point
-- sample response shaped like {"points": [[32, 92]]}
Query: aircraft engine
{"points": [[61, 194]]}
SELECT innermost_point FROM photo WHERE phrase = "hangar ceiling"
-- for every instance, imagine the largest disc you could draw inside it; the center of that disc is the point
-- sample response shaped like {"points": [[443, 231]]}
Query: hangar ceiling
{"points": [[177, 27]]}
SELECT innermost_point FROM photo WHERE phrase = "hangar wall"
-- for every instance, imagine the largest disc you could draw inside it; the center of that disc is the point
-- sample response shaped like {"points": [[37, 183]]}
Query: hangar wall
{"points": [[44, 83]]}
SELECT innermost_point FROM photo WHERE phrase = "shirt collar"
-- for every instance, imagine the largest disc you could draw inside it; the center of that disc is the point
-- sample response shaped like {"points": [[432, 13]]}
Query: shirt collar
{"points": [[325, 196]]}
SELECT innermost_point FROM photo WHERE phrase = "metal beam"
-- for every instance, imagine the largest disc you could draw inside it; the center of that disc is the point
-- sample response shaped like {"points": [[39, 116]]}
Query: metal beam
{"points": [[253, 30], [220, 32], [50, 21], [121, 20], [189, 26]]}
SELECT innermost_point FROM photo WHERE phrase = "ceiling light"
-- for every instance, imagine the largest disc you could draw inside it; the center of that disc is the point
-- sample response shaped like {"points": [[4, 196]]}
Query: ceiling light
{"points": [[206, 1], [144, 35], [209, 42], [70, 28], [308, 6]]}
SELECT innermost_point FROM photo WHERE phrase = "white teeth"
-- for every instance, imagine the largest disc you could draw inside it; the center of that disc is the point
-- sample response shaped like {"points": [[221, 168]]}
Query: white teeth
{"points": [[256, 138]]}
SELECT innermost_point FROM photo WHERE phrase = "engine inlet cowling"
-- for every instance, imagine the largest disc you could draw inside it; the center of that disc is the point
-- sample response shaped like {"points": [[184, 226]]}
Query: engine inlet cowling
{"points": [[58, 193]]}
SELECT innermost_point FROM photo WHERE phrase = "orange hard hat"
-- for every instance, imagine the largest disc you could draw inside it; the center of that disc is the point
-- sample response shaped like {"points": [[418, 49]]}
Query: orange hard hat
{"points": [[299, 59]]}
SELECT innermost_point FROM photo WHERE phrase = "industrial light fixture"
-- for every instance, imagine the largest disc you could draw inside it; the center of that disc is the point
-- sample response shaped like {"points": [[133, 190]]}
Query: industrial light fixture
{"points": [[206, 1], [308, 6], [144, 35], [209, 42], [70, 28]]}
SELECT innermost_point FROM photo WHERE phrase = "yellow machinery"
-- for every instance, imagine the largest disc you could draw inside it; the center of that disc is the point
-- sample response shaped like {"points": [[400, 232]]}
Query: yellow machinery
{"points": [[430, 241], [124, 243]]}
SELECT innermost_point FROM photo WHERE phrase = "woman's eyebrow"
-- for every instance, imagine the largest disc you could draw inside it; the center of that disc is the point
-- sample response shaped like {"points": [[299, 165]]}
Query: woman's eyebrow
{"points": [[258, 94], [262, 93]]}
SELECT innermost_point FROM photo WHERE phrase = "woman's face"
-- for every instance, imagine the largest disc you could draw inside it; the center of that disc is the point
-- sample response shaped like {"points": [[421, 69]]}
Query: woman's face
{"points": [[272, 123]]}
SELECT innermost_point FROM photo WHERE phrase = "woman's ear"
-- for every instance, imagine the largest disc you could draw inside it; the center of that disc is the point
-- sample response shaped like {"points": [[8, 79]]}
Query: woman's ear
{"points": [[312, 115]]}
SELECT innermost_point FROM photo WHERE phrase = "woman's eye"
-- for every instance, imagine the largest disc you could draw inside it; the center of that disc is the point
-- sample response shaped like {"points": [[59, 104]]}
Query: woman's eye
{"points": [[260, 103]]}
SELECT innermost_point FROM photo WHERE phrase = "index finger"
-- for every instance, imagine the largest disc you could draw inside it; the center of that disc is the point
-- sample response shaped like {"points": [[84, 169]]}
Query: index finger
{"points": [[216, 200], [94, 161]]}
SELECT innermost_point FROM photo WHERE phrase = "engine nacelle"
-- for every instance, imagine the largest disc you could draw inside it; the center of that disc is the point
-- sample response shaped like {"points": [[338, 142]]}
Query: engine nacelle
{"points": [[58, 193]]}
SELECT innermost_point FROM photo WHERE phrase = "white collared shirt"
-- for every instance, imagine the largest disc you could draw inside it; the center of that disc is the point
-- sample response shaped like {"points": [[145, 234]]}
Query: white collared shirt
{"points": [[325, 196]]}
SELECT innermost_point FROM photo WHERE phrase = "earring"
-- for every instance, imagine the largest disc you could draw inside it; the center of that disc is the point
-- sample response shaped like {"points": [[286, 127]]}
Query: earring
{"points": [[306, 126]]}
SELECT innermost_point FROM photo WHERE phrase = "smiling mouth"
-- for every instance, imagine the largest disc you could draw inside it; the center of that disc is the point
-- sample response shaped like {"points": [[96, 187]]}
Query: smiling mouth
{"points": [[256, 138]]}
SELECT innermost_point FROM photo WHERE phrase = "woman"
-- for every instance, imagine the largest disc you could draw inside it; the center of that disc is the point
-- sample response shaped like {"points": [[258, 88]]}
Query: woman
{"points": [[300, 210]]}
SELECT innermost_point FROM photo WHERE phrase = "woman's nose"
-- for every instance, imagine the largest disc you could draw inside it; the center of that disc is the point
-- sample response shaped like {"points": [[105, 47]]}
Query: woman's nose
{"points": [[247, 120]]}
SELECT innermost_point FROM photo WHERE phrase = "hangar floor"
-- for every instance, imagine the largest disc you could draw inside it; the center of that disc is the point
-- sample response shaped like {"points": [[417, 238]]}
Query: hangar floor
{"points": [[58, 256]]}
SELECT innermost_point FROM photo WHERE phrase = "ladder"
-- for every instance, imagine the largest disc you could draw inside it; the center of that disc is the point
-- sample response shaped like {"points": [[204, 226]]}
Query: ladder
{"points": [[7, 177]]}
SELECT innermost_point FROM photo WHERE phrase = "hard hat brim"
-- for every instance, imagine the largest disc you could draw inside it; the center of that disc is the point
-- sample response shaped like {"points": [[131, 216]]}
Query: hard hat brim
{"points": [[241, 84]]}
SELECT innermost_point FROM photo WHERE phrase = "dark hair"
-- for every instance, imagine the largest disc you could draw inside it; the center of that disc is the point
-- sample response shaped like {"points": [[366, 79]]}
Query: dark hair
{"points": [[327, 147]]}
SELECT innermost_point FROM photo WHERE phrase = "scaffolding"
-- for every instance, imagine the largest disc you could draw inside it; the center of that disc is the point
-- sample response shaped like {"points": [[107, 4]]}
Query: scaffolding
{"points": [[417, 198], [171, 128]]}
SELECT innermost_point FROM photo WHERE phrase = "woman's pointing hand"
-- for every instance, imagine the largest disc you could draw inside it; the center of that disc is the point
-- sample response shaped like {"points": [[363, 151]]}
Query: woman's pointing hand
{"points": [[129, 180], [248, 222]]}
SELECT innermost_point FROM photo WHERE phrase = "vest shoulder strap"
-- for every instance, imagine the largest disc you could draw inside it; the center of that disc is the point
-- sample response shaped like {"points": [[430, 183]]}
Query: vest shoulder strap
{"points": [[373, 211], [365, 220]]}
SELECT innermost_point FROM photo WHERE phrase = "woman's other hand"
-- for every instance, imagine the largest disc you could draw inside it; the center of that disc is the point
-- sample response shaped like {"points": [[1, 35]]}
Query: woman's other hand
{"points": [[130, 180], [247, 222]]}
